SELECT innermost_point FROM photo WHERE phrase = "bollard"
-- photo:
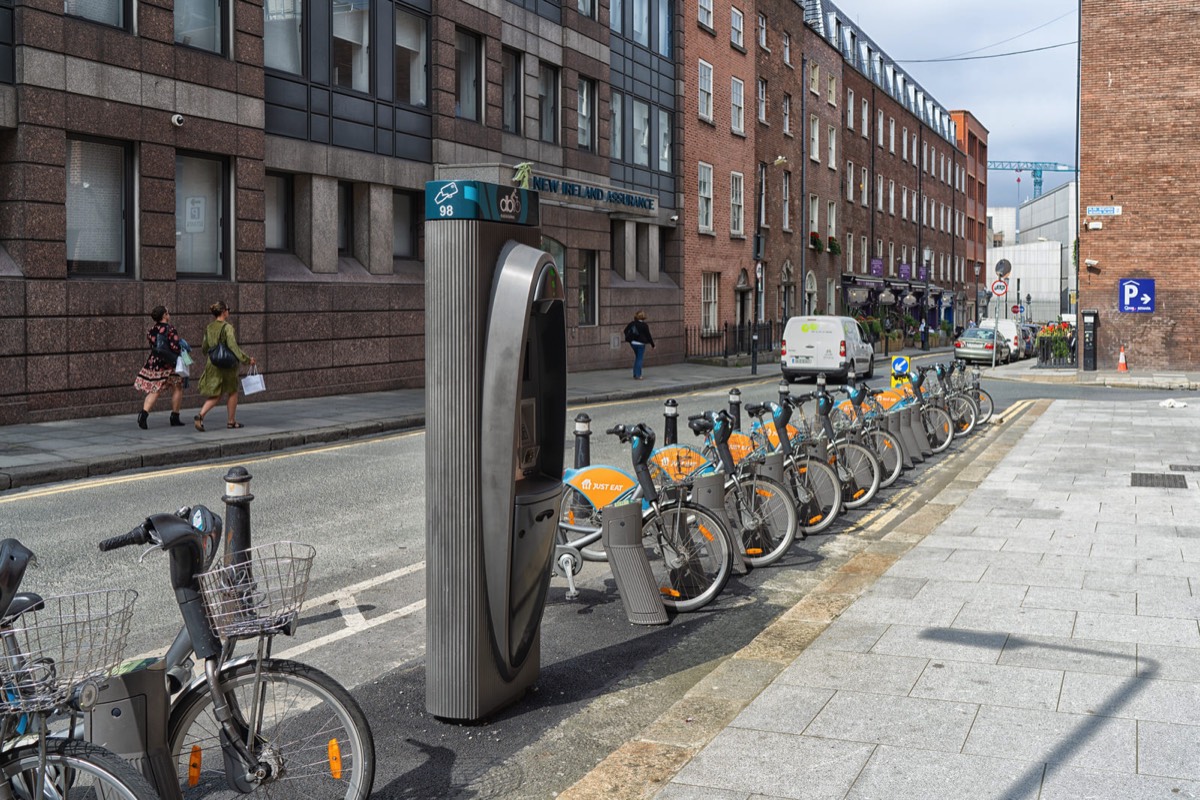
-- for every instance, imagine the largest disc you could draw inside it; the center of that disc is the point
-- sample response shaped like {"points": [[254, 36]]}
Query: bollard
{"points": [[735, 408], [709, 491], [583, 441], [785, 391], [237, 501], [754, 351], [621, 532], [670, 422]]}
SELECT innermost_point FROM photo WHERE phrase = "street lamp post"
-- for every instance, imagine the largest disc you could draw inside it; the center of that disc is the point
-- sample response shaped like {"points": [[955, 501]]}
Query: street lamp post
{"points": [[928, 256], [977, 268]]}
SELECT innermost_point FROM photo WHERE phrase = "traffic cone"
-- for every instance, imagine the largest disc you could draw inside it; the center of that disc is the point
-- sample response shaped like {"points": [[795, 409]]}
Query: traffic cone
{"points": [[1121, 366]]}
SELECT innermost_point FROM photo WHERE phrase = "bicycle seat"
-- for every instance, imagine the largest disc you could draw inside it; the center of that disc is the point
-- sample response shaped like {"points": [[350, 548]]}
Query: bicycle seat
{"points": [[700, 425], [22, 602], [757, 409]]}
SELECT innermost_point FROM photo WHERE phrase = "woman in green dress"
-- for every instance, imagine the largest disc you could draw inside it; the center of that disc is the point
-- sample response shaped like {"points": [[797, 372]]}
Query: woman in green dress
{"points": [[215, 381]]}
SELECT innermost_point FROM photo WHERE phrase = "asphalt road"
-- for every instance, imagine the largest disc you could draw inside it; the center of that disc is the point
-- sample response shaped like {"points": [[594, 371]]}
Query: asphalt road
{"points": [[362, 505]]}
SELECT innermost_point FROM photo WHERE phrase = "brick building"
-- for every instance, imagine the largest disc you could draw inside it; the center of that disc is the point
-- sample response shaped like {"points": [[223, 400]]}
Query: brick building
{"points": [[972, 142], [1135, 135]]}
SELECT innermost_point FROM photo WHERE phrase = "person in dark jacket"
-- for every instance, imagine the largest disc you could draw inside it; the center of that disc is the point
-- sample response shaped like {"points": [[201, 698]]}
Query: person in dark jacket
{"points": [[158, 372], [637, 333]]}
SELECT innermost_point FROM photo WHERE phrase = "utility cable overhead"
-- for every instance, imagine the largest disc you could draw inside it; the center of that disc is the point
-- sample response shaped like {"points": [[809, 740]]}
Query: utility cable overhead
{"points": [[1011, 38], [980, 58]]}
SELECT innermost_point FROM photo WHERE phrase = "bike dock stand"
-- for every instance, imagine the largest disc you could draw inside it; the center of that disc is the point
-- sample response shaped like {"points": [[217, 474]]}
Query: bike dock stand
{"points": [[918, 426], [771, 466], [894, 424], [911, 440], [709, 491], [621, 532]]}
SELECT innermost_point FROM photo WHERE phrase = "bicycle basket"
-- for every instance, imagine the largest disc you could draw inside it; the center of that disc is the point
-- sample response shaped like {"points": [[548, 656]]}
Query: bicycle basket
{"points": [[68, 640], [260, 594]]}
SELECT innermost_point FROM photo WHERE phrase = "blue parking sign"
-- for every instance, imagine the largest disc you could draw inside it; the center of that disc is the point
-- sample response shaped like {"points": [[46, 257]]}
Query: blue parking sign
{"points": [[1136, 295]]}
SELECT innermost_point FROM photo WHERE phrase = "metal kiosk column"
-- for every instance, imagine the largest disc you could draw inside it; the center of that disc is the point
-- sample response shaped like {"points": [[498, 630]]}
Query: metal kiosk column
{"points": [[496, 403]]}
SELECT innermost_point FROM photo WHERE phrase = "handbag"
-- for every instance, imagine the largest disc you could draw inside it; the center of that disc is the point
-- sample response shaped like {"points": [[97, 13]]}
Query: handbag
{"points": [[162, 348], [181, 367], [220, 356], [253, 383]]}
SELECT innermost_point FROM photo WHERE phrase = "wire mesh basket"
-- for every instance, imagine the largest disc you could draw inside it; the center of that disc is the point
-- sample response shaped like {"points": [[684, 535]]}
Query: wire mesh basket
{"points": [[260, 594], [68, 640]]}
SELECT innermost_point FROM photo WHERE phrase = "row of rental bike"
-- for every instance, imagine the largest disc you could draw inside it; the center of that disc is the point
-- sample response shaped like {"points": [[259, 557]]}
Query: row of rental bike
{"points": [[790, 470]]}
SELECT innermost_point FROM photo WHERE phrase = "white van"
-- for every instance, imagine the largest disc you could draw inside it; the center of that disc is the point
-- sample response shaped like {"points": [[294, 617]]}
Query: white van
{"points": [[812, 345], [1008, 331]]}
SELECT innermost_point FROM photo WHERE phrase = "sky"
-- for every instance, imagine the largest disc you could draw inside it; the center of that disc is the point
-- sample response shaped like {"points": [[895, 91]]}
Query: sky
{"points": [[1026, 102]]}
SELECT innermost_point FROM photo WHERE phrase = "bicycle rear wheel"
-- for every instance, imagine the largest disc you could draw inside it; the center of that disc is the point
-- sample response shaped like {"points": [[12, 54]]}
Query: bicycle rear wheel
{"points": [[817, 490], [690, 554], [763, 518], [986, 406], [74, 769], [889, 451], [312, 737], [860, 473], [962, 413], [938, 427], [578, 512]]}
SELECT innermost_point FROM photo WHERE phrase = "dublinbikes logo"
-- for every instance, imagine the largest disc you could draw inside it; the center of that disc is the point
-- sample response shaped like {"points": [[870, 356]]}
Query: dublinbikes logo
{"points": [[510, 205]]}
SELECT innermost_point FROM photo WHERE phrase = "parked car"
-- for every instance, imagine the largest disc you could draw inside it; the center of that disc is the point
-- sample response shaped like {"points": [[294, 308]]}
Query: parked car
{"points": [[1009, 331], [980, 344], [811, 345], [1029, 334]]}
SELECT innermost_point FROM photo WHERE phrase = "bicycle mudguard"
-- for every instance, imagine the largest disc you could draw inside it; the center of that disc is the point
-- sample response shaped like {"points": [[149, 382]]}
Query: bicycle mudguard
{"points": [[601, 485], [678, 461]]}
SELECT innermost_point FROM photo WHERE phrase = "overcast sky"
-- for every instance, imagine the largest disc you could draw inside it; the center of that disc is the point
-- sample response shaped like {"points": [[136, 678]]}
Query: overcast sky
{"points": [[1027, 102]]}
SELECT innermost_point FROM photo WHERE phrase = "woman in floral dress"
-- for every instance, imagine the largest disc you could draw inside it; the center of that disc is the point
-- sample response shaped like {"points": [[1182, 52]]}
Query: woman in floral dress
{"points": [[158, 373]]}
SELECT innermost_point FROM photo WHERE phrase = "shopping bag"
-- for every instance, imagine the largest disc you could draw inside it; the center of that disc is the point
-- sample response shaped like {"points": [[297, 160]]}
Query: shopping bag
{"points": [[181, 366], [253, 382]]}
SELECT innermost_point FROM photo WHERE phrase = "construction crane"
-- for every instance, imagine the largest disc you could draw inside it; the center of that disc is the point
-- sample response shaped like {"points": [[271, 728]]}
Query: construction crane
{"points": [[1036, 167]]}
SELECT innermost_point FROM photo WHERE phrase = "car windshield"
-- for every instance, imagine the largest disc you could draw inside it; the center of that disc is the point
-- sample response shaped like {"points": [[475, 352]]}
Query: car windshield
{"points": [[977, 333]]}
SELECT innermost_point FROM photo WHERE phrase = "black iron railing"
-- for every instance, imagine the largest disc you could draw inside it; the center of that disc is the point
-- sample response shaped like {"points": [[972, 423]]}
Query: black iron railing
{"points": [[731, 340], [1055, 352]]}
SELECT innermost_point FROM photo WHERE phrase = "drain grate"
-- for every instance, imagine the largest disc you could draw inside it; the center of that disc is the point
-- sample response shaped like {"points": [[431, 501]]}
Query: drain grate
{"points": [[1156, 481], [1185, 467]]}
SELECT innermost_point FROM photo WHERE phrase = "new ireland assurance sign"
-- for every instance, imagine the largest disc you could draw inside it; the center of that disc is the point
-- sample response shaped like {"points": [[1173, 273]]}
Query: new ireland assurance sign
{"points": [[582, 193]]}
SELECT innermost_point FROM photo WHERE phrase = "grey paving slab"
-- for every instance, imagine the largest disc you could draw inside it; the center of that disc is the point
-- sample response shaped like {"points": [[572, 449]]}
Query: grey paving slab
{"points": [[1081, 600], [807, 768], [1138, 582], [1061, 545], [1007, 594], [1137, 629], [853, 637], [1038, 621], [1135, 698], [1185, 569], [1029, 735], [931, 642], [1156, 549], [977, 542], [902, 611], [1169, 750], [1168, 663], [783, 707], [1157, 604], [679, 791], [991, 684], [900, 774], [1002, 558], [887, 586], [1068, 783], [862, 672], [900, 721], [1035, 576], [1063, 653], [923, 568]]}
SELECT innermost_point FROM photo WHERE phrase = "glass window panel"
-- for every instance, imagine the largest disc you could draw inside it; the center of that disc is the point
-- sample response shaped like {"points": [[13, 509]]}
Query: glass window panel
{"points": [[641, 22], [406, 222], [704, 192], [616, 12], [618, 131], [736, 201], [110, 12], [737, 102], [641, 133], [586, 114], [547, 103], [198, 24], [96, 206], [278, 204], [467, 74], [706, 90], [664, 141], [282, 21], [511, 80], [351, 41], [587, 8], [664, 27], [704, 12], [199, 215], [411, 59], [589, 289], [735, 26]]}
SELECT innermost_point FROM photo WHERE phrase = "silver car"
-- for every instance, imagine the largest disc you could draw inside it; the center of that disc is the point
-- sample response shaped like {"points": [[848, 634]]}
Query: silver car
{"points": [[982, 344]]}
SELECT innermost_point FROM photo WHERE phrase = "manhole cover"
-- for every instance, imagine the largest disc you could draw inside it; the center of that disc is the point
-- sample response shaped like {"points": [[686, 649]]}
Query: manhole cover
{"points": [[1185, 467], [1154, 481]]}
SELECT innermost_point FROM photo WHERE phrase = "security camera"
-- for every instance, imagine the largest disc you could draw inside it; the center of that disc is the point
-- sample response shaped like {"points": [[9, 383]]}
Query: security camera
{"points": [[1091, 262], [675, 218], [177, 120]]}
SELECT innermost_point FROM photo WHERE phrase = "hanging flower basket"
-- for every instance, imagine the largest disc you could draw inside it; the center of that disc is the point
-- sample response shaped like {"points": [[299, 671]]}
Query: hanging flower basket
{"points": [[834, 248], [814, 241]]}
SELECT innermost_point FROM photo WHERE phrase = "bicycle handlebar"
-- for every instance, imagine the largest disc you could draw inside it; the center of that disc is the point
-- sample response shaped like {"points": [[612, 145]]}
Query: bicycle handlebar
{"points": [[138, 535]]}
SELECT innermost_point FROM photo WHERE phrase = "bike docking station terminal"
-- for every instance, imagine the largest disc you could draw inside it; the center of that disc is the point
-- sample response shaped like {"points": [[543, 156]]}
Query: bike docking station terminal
{"points": [[496, 402]]}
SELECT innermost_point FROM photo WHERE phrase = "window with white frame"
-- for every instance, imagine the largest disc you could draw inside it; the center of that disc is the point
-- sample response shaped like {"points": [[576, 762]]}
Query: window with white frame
{"points": [[737, 105], [762, 31], [787, 48], [762, 99], [850, 177], [787, 200], [891, 134], [831, 219], [913, 160], [831, 145], [850, 251], [864, 188], [664, 140], [709, 282], [704, 190], [863, 253], [705, 74], [904, 144], [879, 248], [831, 91], [736, 204], [814, 138], [99, 197], [587, 114], [814, 78], [787, 114], [814, 209], [879, 128], [866, 119], [704, 13], [925, 157], [736, 24], [641, 133], [904, 202], [879, 192], [904, 254], [891, 258], [762, 195], [892, 197], [850, 109]]}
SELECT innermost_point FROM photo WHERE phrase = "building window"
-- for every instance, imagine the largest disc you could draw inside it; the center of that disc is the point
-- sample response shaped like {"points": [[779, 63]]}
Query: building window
{"points": [[904, 144], [407, 218], [762, 31], [737, 103], [831, 92], [850, 109], [641, 133], [589, 289], [108, 12], [709, 282], [278, 211], [201, 24], [664, 27], [587, 114], [736, 22], [891, 258], [832, 145], [866, 116], [641, 22], [99, 203], [814, 210], [664, 141], [850, 181], [618, 132], [704, 13], [547, 102], [904, 202], [704, 190], [736, 204], [412, 59], [879, 128], [762, 195], [864, 254], [200, 215], [879, 192], [468, 66], [787, 48], [891, 134], [587, 8], [787, 200], [849, 251], [282, 23], [814, 138], [351, 51], [892, 198], [706, 90], [762, 100], [814, 78], [787, 114], [616, 10], [511, 79], [864, 191]]}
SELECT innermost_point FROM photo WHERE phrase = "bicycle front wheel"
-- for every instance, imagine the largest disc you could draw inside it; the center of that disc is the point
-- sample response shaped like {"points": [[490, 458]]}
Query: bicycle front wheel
{"points": [[986, 406], [763, 516], [860, 472], [962, 414], [690, 554], [311, 737], [73, 769], [817, 491], [889, 451], [938, 427]]}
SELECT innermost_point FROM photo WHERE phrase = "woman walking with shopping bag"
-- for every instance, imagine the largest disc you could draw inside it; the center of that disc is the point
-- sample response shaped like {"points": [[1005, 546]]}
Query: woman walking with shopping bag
{"points": [[158, 373], [220, 377]]}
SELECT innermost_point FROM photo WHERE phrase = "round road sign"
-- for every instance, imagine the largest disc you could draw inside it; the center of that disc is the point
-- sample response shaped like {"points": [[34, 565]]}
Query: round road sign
{"points": [[999, 288], [1003, 267]]}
